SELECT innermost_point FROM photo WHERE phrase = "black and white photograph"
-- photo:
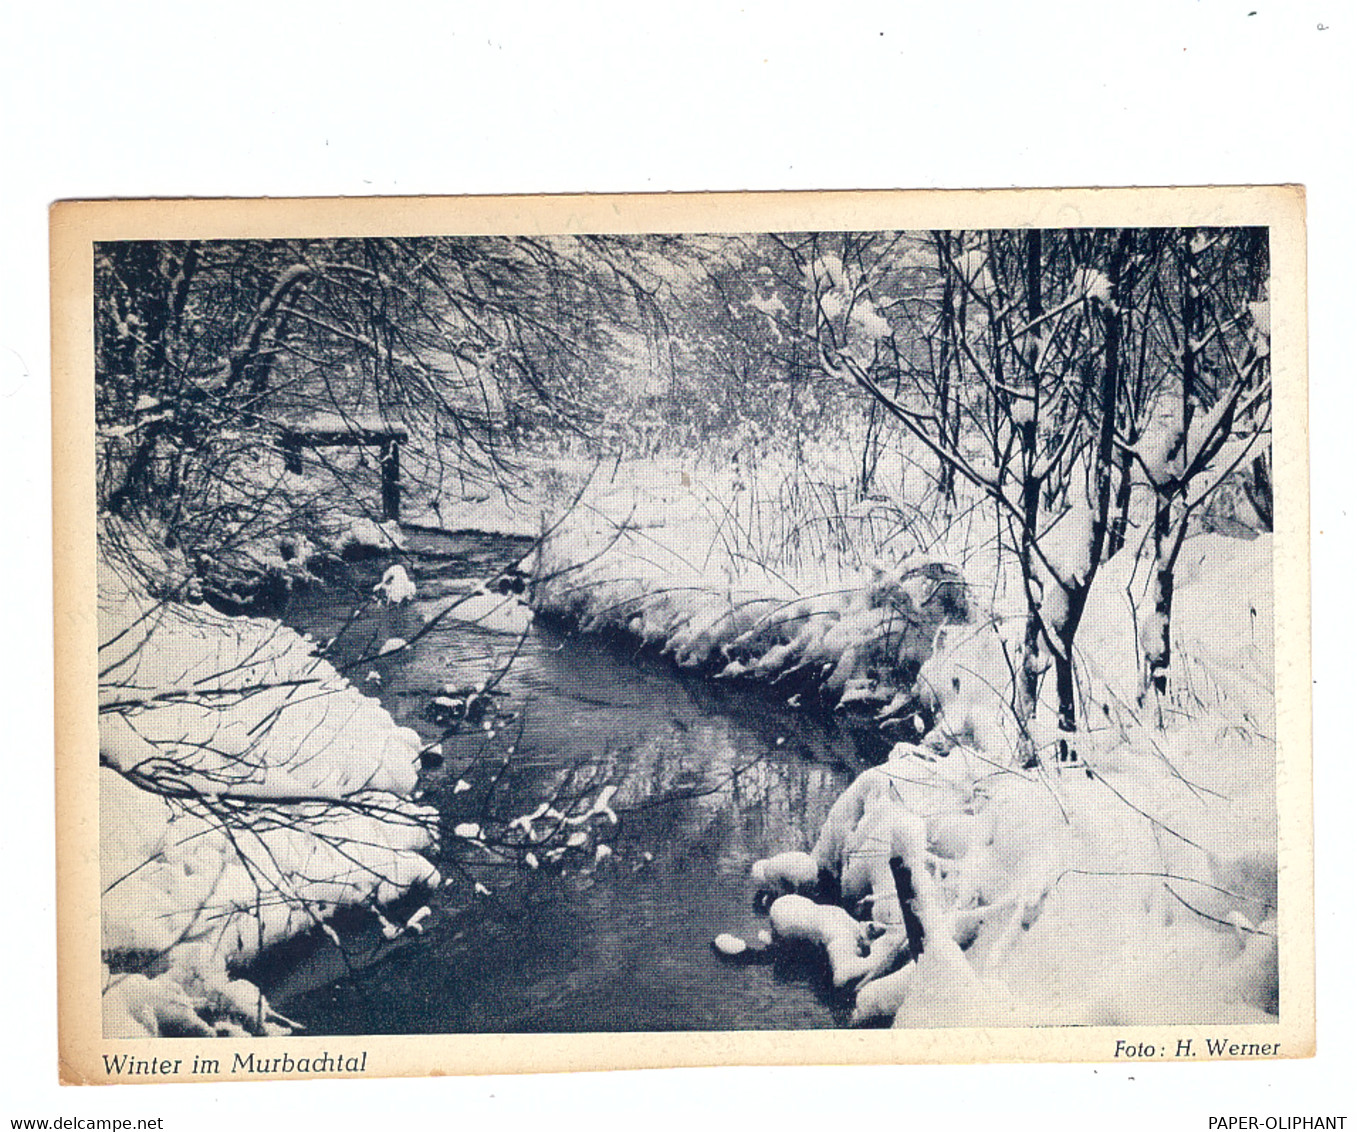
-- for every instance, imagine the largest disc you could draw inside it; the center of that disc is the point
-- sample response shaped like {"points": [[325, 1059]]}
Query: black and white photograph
{"points": [[639, 632], [673, 565]]}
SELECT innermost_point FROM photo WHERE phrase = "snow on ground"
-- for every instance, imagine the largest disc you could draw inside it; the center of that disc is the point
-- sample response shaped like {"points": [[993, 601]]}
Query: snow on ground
{"points": [[496, 511], [363, 535], [1046, 899], [1138, 889], [685, 561], [1142, 889], [247, 791], [516, 501]]}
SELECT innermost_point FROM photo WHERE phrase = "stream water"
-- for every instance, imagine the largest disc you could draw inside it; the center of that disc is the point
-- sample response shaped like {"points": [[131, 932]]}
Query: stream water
{"points": [[709, 778]]}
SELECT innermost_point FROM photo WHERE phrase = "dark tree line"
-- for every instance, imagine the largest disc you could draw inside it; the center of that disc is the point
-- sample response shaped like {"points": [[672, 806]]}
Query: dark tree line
{"points": [[203, 350]]}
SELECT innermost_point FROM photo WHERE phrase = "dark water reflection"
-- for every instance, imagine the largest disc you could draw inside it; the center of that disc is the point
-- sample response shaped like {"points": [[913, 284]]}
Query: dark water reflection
{"points": [[709, 778]]}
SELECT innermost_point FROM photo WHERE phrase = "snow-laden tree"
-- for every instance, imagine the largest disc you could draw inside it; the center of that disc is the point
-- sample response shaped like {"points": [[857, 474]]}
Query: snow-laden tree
{"points": [[1036, 341], [1208, 423], [206, 352], [1039, 368]]}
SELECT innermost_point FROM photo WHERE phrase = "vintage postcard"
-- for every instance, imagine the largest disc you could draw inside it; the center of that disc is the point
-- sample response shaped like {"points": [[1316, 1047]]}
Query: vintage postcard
{"points": [[546, 633]]}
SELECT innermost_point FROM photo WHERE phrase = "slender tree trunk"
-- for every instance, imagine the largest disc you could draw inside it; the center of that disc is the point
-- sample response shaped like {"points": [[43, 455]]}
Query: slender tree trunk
{"points": [[1078, 588], [1159, 652], [139, 481], [871, 449], [1160, 655], [1031, 484], [1258, 483], [1121, 521], [1258, 488], [1132, 390], [946, 352], [1064, 686]]}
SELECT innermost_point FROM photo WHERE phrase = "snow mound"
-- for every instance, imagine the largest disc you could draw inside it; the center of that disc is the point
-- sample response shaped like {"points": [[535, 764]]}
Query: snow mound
{"points": [[790, 871], [395, 587], [985, 896], [493, 612], [247, 790], [364, 536]]}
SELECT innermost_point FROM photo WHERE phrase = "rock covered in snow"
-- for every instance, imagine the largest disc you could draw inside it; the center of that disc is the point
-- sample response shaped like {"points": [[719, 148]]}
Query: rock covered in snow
{"points": [[786, 872], [843, 938], [729, 945], [395, 588], [361, 537], [735, 950]]}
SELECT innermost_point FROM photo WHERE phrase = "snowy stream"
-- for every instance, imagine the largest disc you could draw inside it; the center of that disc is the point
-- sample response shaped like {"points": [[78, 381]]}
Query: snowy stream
{"points": [[709, 779]]}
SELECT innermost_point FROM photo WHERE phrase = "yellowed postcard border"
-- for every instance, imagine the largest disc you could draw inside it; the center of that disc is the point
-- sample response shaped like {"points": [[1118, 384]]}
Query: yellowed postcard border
{"points": [[76, 226]]}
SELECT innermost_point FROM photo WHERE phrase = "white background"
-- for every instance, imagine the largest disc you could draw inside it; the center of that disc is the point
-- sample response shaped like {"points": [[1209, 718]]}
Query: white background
{"points": [[268, 98]]}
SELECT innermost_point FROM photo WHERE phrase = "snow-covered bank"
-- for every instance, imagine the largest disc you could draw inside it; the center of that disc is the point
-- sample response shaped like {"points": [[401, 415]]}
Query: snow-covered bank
{"points": [[1141, 889], [247, 791], [1138, 888], [1038, 899], [663, 561]]}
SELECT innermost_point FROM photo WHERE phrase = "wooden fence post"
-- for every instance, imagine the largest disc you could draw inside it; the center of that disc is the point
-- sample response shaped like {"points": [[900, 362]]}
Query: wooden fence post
{"points": [[391, 479], [292, 453]]}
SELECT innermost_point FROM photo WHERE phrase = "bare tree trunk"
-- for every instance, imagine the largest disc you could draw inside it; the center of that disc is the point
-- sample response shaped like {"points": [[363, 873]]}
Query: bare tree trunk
{"points": [[1064, 686], [946, 354], [871, 450], [1258, 488], [1159, 657], [1116, 533], [1258, 484], [1031, 483], [1079, 588]]}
